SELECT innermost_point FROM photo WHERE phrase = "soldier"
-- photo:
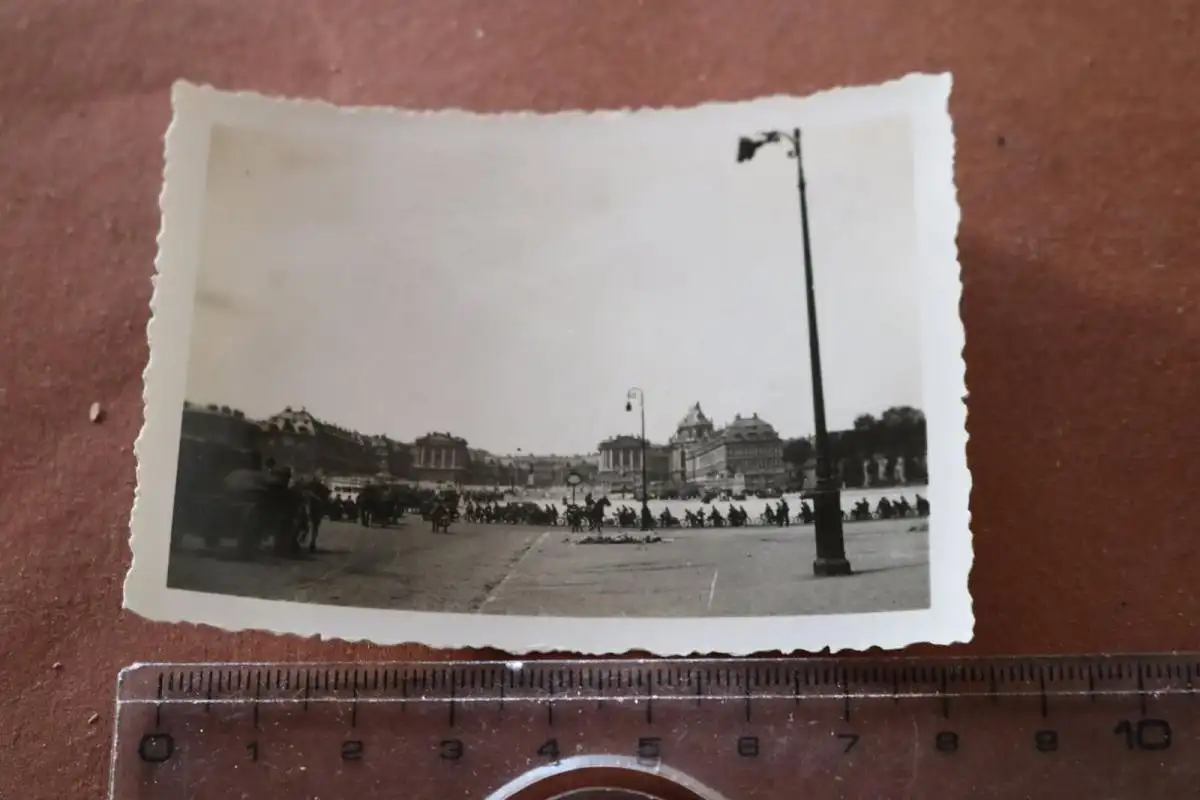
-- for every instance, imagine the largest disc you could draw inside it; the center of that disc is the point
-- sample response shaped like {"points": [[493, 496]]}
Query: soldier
{"points": [[279, 511]]}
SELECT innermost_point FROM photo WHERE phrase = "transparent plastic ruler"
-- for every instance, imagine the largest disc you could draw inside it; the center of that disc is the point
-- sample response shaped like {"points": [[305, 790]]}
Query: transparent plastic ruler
{"points": [[1097, 727]]}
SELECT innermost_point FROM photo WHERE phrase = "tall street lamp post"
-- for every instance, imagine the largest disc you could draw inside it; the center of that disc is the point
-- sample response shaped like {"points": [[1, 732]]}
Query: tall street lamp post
{"points": [[639, 395], [516, 465], [827, 502]]}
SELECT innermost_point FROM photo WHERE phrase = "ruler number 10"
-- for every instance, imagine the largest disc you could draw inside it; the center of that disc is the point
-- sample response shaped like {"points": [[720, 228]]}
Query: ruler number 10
{"points": [[1145, 734]]}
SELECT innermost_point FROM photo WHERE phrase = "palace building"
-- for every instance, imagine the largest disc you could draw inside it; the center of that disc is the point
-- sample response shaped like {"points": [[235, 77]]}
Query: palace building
{"points": [[298, 439], [440, 458], [621, 462], [747, 453], [748, 450], [214, 441], [690, 435]]}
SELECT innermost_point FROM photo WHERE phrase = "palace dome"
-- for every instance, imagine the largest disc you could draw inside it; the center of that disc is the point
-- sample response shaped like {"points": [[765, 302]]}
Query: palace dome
{"points": [[695, 418]]}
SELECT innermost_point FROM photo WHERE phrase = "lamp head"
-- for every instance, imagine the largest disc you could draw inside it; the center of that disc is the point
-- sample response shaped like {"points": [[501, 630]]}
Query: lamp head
{"points": [[628, 405], [746, 149]]}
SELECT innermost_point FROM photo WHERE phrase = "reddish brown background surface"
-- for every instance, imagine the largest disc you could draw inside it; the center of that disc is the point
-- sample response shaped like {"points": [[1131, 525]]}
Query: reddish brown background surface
{"points": [[1079, 178]]}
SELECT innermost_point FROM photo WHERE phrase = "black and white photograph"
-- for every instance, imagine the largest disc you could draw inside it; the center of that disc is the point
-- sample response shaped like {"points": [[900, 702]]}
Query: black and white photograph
{"points": [[673, 380]]}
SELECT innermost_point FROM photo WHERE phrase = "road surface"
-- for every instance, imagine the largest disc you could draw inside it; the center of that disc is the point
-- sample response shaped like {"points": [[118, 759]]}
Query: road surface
{"points": [[508, 569]]}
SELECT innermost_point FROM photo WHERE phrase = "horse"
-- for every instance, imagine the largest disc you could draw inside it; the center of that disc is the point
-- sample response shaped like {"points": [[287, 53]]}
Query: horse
{"points": [[313, 501], [595, 514]]}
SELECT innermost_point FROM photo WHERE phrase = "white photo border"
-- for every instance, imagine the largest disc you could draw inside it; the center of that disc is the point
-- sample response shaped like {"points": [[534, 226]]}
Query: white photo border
{"points": [[923, 98]]}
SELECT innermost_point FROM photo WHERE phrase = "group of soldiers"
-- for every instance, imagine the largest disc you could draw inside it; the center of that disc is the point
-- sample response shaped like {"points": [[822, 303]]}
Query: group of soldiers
{"points": [[888, 509], [270, 502], [511, 513]]}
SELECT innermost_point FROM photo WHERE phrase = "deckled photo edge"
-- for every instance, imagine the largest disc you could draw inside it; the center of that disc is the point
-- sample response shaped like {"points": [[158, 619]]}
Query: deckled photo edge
{"points": [[185, 147], [845, 103], [949, 618], [951, 542]]}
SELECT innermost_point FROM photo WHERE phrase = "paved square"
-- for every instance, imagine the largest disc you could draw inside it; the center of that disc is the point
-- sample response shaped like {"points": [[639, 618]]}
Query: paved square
{"points": [[717, 572], [507, 569]]}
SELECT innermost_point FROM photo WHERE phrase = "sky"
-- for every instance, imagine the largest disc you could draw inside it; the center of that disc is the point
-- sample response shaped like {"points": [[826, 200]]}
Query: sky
{"points": [[509, 279]]}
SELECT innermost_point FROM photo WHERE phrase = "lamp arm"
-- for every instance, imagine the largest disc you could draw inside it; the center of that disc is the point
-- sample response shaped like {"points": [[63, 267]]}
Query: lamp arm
{"points": [[774, 137]]}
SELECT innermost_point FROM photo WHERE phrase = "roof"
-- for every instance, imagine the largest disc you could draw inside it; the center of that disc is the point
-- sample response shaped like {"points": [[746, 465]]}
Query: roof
{"points": [[619, 442], [749, 428], [299, 421], [438, 437]]}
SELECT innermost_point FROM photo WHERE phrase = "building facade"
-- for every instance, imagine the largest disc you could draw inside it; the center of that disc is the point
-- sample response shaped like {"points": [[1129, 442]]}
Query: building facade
{"points": [[516, 471], [620, 464], [694, 431], [294, 437], [484, 470], [745, 455], [219, 425], [587, 467], [544, 472], [393, 458], [441, 458], [214, 441]]}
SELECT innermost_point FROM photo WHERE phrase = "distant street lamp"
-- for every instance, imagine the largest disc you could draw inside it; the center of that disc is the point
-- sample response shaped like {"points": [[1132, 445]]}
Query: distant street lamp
{"points": [[639, 395], [512, 478], [827, 502]]}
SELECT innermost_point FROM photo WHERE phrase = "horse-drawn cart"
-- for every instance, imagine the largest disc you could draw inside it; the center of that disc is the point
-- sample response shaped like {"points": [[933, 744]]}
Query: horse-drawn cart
{"points": [[249, 506]]}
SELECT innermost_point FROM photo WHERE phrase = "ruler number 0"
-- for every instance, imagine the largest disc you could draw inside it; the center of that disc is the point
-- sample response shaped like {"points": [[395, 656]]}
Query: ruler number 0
{"points": [[450, 750], [352, 750], [649, 750], [549, 750], [1046, 741], [155, 748], [1145, 734], [946, 742]]}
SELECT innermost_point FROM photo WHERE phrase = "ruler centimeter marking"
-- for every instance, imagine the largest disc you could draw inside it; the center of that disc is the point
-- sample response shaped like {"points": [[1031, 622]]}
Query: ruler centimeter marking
{"points": [[192, 725], [183, 683]]}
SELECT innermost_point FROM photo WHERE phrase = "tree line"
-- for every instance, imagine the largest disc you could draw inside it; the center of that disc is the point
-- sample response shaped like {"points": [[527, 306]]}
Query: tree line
{"points": [[867, 453]]}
